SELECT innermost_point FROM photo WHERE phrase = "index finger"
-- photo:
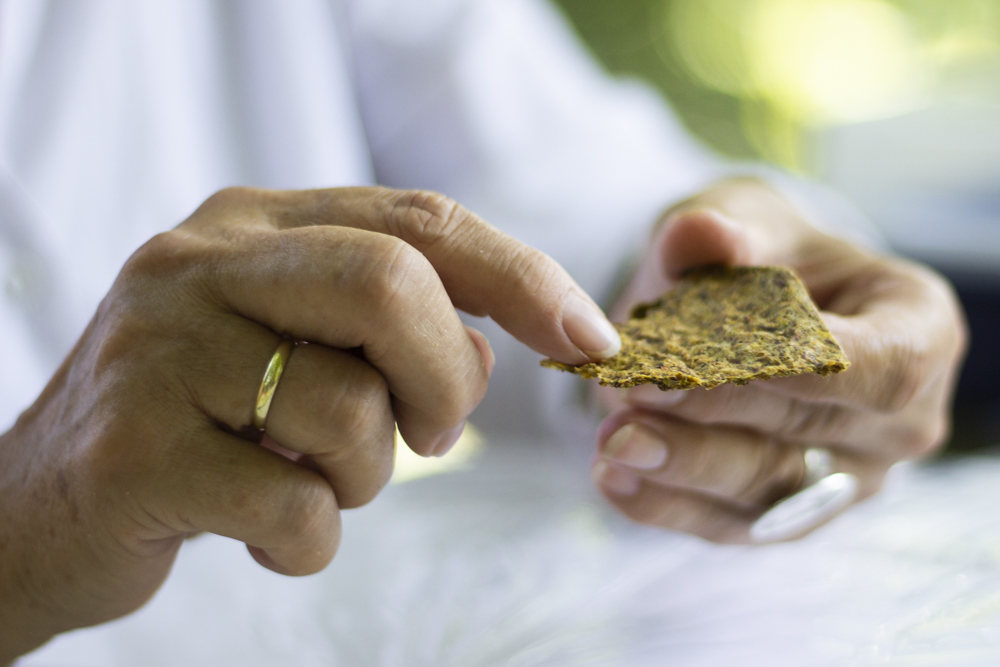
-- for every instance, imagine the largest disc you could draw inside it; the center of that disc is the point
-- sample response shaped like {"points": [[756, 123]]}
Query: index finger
{"points": [[485, 271]]}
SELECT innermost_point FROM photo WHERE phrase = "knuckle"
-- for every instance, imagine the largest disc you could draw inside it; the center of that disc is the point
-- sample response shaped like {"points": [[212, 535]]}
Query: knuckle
{"points": [[230, 212], [165, 276], [165, 253], [529, 266], [901, 390], [426, 218], [227, 198], [399, 279]]}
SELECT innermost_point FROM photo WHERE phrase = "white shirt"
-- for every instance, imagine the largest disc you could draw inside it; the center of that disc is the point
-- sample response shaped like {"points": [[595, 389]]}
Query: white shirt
{"points": [[117, 118]]}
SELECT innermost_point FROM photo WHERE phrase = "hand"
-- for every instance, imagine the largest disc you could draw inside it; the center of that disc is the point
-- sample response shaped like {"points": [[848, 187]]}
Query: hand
{"points": [[140, 439], [711, 462]]}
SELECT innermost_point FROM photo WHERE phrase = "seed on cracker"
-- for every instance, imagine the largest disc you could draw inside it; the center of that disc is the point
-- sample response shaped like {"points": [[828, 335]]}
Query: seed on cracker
{"points": [[720, 325]]}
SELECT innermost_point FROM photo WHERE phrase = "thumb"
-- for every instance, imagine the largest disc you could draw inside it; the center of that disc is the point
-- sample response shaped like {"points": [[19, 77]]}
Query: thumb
{"points": [[685, 240], [701, 237]]}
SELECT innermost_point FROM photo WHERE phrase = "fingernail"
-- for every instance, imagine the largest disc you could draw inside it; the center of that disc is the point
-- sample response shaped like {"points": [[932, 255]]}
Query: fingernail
{"points": [[485, 349], [637, 447], [614, 480], [588, 328], [448, 440], [650, 395]]}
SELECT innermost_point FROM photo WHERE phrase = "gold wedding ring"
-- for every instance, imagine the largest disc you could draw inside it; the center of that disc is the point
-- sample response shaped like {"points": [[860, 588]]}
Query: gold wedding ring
{"points": [[270, 383]]}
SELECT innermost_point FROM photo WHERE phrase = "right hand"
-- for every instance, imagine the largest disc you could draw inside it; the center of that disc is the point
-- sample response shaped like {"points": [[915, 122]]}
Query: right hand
{"points": [[136, 442]]}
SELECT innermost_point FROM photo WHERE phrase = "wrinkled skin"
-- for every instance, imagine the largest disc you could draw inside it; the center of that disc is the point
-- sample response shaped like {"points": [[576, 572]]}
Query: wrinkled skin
{"points": [[710, 462], [142, 436]]}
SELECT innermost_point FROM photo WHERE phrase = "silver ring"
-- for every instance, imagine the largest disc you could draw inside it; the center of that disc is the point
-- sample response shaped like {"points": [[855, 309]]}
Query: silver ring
{"points": [[823, 495]]}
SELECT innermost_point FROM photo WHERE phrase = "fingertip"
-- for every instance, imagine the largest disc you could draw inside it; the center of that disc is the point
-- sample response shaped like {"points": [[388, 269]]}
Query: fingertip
{"points": [[299, 563], [264, 560], [447, 440], [589, 329]]}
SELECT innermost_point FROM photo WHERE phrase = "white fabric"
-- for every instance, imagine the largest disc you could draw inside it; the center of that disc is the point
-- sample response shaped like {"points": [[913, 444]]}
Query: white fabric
{"points": [[118, 118], [517, 563]]}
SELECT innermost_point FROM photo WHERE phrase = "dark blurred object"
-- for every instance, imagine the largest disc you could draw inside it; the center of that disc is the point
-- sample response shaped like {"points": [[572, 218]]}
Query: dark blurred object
{"points": [[977, 402]]}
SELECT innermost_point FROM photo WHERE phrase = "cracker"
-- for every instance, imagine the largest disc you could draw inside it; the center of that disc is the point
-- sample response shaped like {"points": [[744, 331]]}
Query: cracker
{"points": [[720, 325]]}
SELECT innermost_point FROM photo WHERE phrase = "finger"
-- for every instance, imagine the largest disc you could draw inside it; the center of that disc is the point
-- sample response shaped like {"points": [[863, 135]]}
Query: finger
{"points": [[703, 237], [736, 465], [486, 272], [745, 223], [902, 331], [223, 484], [686, 239], [347, 287], [787, 418], [655, 505], [336, 409], [895, 318], [329, 405]]}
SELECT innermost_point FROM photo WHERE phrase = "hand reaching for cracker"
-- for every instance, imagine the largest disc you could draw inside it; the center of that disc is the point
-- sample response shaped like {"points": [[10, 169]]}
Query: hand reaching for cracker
{"points": [[711, 462]]}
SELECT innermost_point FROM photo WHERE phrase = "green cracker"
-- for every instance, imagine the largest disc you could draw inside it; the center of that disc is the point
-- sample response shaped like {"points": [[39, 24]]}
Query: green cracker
{"points": [[720, 325]]}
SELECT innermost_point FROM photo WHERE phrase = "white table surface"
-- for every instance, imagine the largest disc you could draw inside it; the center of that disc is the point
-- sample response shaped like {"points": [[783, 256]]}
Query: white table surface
{"points": [[518, 562]]}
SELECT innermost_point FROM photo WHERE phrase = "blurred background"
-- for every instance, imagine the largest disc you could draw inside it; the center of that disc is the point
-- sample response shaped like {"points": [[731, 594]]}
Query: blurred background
{"points": [[895, 103]]}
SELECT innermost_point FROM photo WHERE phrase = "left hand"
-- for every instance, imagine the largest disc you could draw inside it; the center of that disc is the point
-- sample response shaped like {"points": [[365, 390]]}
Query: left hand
{"points": [[711, 462]]}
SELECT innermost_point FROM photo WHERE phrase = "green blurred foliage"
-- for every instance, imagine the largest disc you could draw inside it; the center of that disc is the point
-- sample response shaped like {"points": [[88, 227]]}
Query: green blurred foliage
{"points": [[627, 37], [762, 78]]}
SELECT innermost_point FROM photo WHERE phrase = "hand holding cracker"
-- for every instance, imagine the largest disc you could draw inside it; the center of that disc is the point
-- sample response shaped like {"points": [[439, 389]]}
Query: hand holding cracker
{"points": [[710, 462]]}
